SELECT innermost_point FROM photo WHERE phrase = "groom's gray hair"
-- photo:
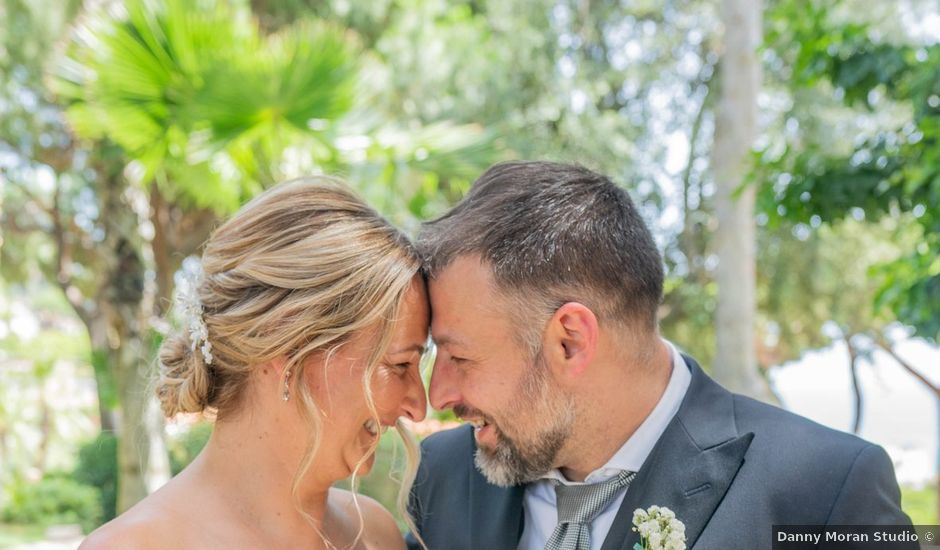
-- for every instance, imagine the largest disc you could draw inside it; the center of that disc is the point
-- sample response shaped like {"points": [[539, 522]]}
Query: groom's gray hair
{"points": [[553, 233]]}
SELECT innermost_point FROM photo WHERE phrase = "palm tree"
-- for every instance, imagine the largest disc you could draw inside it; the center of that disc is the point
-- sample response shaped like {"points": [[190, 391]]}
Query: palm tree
{"points": [[201, 106], [204, 112]]}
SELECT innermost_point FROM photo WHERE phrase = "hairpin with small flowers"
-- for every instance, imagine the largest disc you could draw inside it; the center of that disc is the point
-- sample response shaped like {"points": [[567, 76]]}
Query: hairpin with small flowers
{"points": [[190, 306]]}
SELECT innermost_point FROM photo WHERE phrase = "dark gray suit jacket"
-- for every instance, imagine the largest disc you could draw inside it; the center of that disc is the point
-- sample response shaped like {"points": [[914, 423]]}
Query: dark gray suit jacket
{"points": [[730, 467]]}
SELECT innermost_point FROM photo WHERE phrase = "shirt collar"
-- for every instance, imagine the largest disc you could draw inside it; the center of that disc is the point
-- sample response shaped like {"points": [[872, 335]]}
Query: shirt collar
{"points": [[634, 451]]}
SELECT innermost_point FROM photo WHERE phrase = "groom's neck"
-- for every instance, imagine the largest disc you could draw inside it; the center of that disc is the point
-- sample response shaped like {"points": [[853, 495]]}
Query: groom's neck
{"points": [[613, 405]]}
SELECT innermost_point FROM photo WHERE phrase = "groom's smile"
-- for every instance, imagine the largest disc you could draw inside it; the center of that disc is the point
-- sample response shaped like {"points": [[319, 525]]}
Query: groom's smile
{"points": [[484, 430]]}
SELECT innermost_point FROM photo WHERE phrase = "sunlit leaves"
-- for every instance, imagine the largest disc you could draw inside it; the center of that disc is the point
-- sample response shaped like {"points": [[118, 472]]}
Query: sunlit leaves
{"points": [[894, 172], [190, 89]]}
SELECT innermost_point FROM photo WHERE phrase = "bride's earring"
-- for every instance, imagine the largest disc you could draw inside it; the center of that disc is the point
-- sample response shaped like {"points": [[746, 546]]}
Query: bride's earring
{"points": [[286, 395]]}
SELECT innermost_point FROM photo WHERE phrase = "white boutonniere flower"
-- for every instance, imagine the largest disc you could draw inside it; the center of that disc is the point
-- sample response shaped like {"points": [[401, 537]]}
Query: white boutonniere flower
{"points": [[659, 529]]}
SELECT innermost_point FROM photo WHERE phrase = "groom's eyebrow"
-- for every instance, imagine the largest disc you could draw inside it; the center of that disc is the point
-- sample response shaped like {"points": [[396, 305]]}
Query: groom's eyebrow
{"points": [[447, 340]]}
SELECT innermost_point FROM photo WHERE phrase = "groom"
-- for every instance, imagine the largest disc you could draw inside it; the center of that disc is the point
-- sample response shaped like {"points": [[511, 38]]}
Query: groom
{"points": [[545, 284]]}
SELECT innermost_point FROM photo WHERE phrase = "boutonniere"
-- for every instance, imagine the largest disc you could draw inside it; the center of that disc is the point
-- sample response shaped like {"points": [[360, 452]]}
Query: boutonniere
{"points": [[659, 529]]}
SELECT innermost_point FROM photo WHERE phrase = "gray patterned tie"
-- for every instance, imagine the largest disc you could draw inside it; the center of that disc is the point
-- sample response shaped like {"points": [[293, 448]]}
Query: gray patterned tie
{"points": [[578, 505]]}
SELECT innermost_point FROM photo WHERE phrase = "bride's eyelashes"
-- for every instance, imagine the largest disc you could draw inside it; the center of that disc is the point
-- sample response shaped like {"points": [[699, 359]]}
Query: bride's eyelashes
{"points": [[403, 368], [400, 368]]}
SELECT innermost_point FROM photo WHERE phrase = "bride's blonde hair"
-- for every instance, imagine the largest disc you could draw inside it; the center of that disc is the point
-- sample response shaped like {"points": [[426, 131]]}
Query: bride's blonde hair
{"points": [[297, 271]]}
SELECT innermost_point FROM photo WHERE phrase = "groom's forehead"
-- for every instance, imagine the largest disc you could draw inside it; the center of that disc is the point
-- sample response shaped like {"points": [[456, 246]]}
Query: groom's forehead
{"points": [[466, 275], [457, 310]]}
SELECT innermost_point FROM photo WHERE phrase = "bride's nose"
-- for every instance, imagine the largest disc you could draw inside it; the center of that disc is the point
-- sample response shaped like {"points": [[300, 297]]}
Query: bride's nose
{"points": [[414, 406]]}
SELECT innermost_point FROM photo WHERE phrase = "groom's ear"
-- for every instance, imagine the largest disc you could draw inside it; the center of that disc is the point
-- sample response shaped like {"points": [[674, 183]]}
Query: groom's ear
{"points": [[571, 339]]}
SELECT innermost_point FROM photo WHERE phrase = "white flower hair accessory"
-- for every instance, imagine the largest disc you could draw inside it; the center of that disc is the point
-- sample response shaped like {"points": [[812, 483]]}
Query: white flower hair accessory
{"points": [[659, 529], [190, 306]]}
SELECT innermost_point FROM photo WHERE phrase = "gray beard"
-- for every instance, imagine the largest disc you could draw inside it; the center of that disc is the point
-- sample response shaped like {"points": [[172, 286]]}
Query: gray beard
{"points": [[512, 464], [518, 462]]}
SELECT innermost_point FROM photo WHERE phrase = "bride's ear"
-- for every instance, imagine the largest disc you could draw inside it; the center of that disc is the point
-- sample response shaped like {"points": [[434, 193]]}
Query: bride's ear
{"points": [[277, 378], [276, 366], [571, 339]]}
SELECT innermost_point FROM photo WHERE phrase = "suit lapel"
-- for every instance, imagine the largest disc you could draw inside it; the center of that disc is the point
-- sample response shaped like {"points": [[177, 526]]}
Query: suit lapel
{"points": [[691, 466], [496, 514]]}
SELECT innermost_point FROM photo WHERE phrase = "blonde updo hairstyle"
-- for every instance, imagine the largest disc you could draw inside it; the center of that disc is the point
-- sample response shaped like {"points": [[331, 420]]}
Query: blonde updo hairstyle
{"points": [[297, 271]]}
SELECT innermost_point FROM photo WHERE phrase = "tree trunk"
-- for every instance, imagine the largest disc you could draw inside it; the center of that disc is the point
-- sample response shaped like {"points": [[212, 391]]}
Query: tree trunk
{"points": [[104, 379], [735, 240], [143, 463], [856, 385], [124, 306], [165, 265], [177, 234], [106, 417]]}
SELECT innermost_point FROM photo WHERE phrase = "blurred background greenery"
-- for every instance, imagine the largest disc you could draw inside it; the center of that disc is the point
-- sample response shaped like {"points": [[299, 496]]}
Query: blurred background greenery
{"points": [[129, 128]]}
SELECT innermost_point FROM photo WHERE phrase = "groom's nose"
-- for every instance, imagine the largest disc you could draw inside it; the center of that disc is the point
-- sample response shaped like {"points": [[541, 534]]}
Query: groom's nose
{"points": [[443, 391]]}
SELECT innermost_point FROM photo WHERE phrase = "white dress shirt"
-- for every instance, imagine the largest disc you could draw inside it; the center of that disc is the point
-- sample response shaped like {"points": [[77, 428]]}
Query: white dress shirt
{"points": [[541, 516]]}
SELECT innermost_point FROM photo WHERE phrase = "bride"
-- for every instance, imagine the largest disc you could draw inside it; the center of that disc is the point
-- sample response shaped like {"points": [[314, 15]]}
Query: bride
{"points": [[304, 338]]}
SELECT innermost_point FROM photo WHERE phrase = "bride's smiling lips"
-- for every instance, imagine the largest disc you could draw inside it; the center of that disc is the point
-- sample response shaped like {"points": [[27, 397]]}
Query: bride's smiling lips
{"points": [[373, 427]]}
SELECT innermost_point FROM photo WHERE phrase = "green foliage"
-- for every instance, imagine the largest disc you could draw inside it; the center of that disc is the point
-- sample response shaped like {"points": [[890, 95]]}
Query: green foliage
{"points": [[212, 109], [97, 462], [687, 315], [184, 448], [48, 346], [106, 386], [183, 87], [920, 504], [97, 466], [54, 500], [828, 274], [891, 171], [15, 535]]}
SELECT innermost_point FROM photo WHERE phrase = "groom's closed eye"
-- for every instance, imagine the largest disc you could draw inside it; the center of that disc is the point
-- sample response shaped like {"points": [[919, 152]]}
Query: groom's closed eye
{"points": [[461, 364]]}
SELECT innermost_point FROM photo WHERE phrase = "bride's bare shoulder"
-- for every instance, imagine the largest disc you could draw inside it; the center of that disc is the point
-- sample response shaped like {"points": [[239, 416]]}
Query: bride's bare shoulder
{"points": [[379, 528], [142, 527], [166, 520]]}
